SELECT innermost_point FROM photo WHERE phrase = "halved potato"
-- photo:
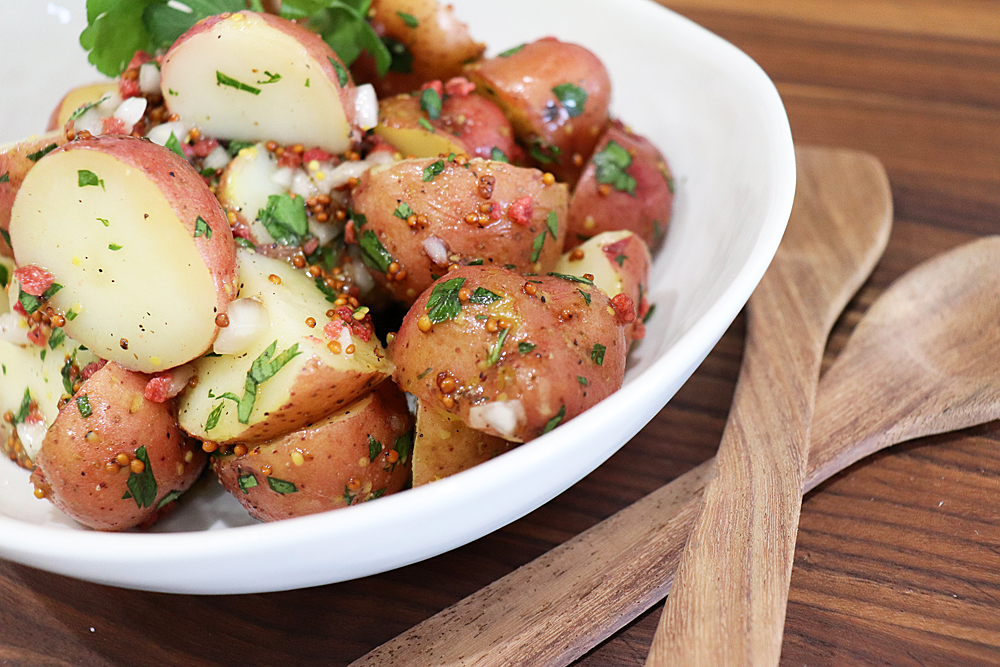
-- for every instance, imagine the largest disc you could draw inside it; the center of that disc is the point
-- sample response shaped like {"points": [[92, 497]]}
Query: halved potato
{"points": [[359, 453], [139, 244], [298, 378], [32, 382], [245, 186], [259, 77], [113, 459], [444, 445], [15, 161], [78, 97]]}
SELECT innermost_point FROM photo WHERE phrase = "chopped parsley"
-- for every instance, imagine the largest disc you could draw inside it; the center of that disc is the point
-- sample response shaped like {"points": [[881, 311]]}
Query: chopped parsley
{"points": [[56, 337], [373, 253], [585, 295], [401, 59], [408, 19], [224, 80], [611, 163], [104, 221], [244, 243], [597, 354], [555, 421], [262, 369], [281, 486], [85, 178], [141, 485], [572, 98], [271, 78], [552, 223], [83, 405], [31, 303], [495, 350], [432, 170], [424, 123], [169, 498], [114, 247], [246, 482], [201, 228], [22, 412], [374, 448], [236, 146], [84, 108], [582, 380], [430, 103], [213, 417], [483, 296], [404, 447], [649, 313], [285, 219], [620, 260], [536, 246], [342, 77], [403, 211], [543, 152], [4, 275], [525, 348], [5, 177], [174, 144], [443, 303], [575, 279], [67, 373], [498, 155], [511, 51], [38, 155]]}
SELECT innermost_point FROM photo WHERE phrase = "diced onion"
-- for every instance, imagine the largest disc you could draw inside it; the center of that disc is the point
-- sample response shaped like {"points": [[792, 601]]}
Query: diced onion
{"points": [[130, 111], [107, 104], [283, 177], [90, 121], [149, 78], [161, 133], [247, 321], [500, 416], [436, 250], [12, 330], [31, 434], [365, 107], [217, 159], [302, 185], [179, 378]]}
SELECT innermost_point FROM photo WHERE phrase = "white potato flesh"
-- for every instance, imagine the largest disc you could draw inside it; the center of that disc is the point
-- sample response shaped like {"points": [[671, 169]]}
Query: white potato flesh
{"points": [[6, 275], [247, 54], [595, 261], [245, 186], [36, 371], [131, 273], [308, 387]]}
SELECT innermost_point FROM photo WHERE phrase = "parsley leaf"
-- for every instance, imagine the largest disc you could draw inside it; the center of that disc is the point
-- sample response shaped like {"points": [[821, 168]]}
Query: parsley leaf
{"points": [[281, 486], [582, 380], [373, 253], [169, 498], [586, 296], [498, 155], [236, 146], [597, 354], [343, 78], [430, 103], [494, 353], [56, 338], [4, 275], [271, 78], [620, 260], [142, 485], [402, 59], [226, 80], [85, 178], [572, 98], [83, 405], [483, 296], [555, 421], [374, 448], [424, 123], [213, 417], [174, 144], [284, 218], [408, 19], [574, 279], [5, 177], [22, 412], [263, 368], [611, 163], [536, 246], [342, 25], [511, 51], [432, 170], [201, 228], [403, 211], [38, 155], [31, 303], [246, 482], [525, 348], [443, 303], [552, 223]]}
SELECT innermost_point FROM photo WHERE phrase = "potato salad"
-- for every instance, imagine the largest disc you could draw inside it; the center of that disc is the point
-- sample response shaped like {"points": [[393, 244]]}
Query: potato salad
{"points": [[325, 251]]}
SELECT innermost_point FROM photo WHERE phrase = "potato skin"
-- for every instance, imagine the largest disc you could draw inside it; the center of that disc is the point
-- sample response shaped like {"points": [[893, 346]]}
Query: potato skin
{"points": [[78, 473], [646, 210], [506, 237], [560, 375], [444, 445], [440, 44], [14, 163], [522, 84], [336, 468]]}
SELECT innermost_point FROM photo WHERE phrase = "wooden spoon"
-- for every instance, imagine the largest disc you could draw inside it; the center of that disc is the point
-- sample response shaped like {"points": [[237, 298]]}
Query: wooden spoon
{"points": [[838, 229], [727, 604]]}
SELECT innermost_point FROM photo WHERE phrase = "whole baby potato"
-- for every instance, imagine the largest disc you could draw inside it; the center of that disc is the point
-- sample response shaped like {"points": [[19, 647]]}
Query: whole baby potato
{"points": [[416, 218], [556, 95], [626, 185], [361, 452], [514, 356], [113, 459]]}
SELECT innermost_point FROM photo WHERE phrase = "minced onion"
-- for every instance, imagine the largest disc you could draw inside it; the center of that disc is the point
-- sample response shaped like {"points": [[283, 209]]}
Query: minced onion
{"points": [[217, 159], [161, 133], [31, 434], [12, 330], [436, 250], [365, 106], [501, 416], [130, 112], [247, 321], [149, 78]]}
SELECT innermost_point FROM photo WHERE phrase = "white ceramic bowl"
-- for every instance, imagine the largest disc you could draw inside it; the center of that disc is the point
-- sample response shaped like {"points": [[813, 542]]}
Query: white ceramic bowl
{"points": [[716, 117]]}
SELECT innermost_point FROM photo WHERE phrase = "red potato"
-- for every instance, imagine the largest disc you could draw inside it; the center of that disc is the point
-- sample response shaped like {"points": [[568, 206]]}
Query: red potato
{"points": [[77, 98], [359, 453], [15, 162], [626, 185], [427, 40], [618, 263], [259, 77], [468, 124], [556, 95], [320, 362], [489, 212], [563, 350], [139, 244], [107, 423], [444, 445]]}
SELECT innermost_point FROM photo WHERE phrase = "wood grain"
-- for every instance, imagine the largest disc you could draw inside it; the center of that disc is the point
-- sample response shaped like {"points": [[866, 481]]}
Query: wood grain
{"points": [[883, 575]]}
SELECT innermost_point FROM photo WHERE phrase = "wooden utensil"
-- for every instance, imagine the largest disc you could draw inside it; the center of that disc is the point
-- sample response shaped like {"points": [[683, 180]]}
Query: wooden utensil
{"points": [[727, 604], [839, 227]]}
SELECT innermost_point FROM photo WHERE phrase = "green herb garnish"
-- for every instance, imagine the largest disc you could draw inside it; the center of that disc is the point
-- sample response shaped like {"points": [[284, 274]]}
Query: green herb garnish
{"points": [[38, 155], [246, 482], [225, 80], [566, 276], [525, 348], [572, 98], [201, 228], [373, 253], [511, 51], [611, 163], [285, 219], [443, 303], [408, 19], [85, 178], [597, 354], [430, 103], [483, 296], [498, 155], [555, 421], [174, 144], [281, 486], [494, 353], [432, 170], [141, 485]]}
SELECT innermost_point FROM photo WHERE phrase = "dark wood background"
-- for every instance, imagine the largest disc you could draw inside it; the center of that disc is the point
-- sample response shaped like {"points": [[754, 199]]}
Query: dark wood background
{"points": [[898, 559]]}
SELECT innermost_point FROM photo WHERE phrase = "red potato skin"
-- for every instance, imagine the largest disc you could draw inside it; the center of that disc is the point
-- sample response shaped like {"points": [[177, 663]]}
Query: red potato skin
{"points": [[440, 45], [446, 201], [597, 208], [335, 459], [556, 319], [78, 473], [14, 166], [189, 197], [310, 40], [472, 122], [522, 83]]}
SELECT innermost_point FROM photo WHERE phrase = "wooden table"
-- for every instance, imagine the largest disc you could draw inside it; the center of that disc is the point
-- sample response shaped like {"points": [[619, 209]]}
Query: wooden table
{"points": [[898, 560]]}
